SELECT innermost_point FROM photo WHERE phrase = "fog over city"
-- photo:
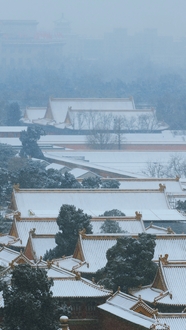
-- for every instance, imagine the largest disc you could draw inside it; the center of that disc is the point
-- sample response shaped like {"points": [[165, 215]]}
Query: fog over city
{"points": [[96, 17], [92, 164]]}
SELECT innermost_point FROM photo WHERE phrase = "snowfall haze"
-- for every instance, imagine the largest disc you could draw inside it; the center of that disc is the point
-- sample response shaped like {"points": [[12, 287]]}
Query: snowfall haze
{"points": [[93, 18]]}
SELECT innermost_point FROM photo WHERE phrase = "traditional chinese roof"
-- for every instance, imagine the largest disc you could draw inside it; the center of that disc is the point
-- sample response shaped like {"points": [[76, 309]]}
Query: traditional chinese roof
{"points": [[9, 257], [176, 321], [33, 113], [8, 240], [136, 311], [53, 271], [128, 164], [59, 110], [120, 305], [67, 284], [37, 245], [127, 224], [78, 287], [80, 173], [153, 229], [127, 301], [46, 203], [168, 286], [172, 185], [91, 249], [68, 263], [58, 167], [173, 245], [21, 227]]}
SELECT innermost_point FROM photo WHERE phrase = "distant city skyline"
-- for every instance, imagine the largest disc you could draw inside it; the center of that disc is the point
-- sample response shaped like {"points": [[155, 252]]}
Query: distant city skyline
{"points": [[93, 18]]}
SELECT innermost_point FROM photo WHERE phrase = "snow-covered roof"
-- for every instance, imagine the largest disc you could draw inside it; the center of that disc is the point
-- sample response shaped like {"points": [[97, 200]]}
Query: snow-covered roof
{"points": [[78, 288], [152, 229], [39, 244], [183, 183], [132, 118], [79, 172], [42, 244], [128, 163], [47, 203], [66, 112], [15, 129], [42, 227], [7, 240], [61, 104], [7, 255], [13, 141], [67, 263], [176, 321], [56, 272], [173, 274], [94, 248], [159, 214], [120, 304], [172, 185], [124, 306], [128, 225], [33, 113], [58, 167], [130, 316], [173, 245]]}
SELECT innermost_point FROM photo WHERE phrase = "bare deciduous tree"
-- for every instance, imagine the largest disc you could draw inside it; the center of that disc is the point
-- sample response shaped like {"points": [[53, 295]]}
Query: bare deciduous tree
{"points": [[100, 140], [175, 167]]}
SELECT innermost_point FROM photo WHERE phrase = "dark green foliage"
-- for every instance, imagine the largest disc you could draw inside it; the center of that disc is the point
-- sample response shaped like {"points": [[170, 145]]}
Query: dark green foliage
{"points": [[113, 213], [91, 182], [6, 153], [29, 174], [29, 140], [129, 263], [111, 226], [13, 114], [3, 113], [110, 183], [181, 205], [5, 187], [28, 302], [5, 225], [34, 175], [70, 181], [17, 163], [70, 221]]}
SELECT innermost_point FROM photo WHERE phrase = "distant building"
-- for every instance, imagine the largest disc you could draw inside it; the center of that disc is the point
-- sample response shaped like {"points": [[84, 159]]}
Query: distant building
{"points": [[22, 46], [84, 114]]}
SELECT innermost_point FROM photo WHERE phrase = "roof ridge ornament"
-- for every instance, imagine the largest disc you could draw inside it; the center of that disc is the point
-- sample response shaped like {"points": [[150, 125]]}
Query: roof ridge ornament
{"points": [[177, 178], [170, 231], [138, 215], [17, 215], [78, 275], [82, 233], [162, 187], [33, 231], [16, 187], [164, 259]]}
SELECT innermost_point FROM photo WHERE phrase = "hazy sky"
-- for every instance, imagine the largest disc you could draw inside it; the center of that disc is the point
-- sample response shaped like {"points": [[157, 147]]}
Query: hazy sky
{"points": [[94, 17]]}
